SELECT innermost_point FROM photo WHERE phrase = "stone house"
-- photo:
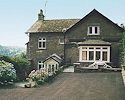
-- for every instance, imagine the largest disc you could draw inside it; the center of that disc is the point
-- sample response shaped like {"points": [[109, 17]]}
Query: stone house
{"points": [[92, 38]]}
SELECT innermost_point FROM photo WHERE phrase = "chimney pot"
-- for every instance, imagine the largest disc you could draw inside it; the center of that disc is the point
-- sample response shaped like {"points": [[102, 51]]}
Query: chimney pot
{"points": [[41, 16]]}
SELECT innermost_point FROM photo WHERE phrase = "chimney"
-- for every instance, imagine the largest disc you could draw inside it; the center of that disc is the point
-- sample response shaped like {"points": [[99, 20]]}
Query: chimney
{"points": [[41, 16]]}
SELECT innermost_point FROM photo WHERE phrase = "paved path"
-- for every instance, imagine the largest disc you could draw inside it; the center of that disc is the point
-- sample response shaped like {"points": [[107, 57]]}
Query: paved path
{"points": [[73, 86], [69, 69]]}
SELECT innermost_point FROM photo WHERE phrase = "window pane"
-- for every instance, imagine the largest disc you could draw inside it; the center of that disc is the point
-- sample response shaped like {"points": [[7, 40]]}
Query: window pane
{"points": [[84, 55], [40, 45], [44, 39], [52, 68], [44, 44], [49, 69], [98, 48], [104, 55], [97, 55], [62, 41], [84, 47], [96, 29], [91, 55], [105, 48], [90, 29], [91, 48], [40, 66], [40, 62], [56, 66]]}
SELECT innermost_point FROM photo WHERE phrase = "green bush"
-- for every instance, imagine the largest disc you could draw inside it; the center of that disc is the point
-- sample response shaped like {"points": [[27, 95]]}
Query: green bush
{"points": [[20, 64], [7, 73]]}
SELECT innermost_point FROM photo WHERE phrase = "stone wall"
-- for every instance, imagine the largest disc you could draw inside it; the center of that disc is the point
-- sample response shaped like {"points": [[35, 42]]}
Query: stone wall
{"points": [[52, 46]]}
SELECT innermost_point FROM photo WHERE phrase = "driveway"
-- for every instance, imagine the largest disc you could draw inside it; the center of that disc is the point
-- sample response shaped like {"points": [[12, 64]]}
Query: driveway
{"points": [[73, 86], [69, 69]]}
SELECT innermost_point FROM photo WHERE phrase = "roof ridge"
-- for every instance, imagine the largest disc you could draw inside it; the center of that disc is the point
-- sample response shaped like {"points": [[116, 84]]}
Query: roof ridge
{"points": [[63, 19]]}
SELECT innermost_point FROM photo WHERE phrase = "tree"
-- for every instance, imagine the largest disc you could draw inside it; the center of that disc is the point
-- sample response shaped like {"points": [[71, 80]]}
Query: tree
{"points": [[22, 55]]}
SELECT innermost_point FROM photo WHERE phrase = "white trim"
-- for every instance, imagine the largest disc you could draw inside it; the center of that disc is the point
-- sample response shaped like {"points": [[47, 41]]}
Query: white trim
{"points": [[93, 30], [42, 40], [40, 63], [101, 53]]}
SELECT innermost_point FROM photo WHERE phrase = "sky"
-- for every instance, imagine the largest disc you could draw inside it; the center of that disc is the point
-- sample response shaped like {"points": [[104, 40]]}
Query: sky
{"points": [[17, 16]]}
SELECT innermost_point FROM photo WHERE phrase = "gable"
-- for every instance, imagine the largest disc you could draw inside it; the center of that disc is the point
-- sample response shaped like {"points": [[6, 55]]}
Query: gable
{"points": [[50, 61], [108, 30], [91, 14]]}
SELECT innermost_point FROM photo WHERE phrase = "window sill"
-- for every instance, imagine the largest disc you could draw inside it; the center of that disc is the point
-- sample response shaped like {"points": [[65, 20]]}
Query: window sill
{"points": [[61, 43], [93, 34], [41, 48]]}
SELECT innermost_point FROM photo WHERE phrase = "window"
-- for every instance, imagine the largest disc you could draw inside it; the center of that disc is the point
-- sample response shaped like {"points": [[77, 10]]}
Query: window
{"points": [[49, 69], [40, 65], [91, 55], [93, 30], [52, 68], [90, 30], [56, 67], [94, 53], [61, 41], [104, 56], [42, 43], [84, 55], [96, 30], [98, 55]]}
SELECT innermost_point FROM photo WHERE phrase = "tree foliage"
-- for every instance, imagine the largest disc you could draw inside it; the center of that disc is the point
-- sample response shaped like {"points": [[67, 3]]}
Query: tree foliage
{"points": [[20, 63]]}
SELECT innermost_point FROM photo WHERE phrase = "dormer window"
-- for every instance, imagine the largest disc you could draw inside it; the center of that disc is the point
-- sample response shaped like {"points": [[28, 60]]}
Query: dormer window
{"points": [[42, 43], [93, 30]]}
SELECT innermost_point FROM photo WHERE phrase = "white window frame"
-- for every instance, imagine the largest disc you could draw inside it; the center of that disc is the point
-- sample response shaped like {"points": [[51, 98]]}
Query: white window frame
{"points": [[93, 30], [42, 40], [101, 53], [60, 42], [40, 63]]}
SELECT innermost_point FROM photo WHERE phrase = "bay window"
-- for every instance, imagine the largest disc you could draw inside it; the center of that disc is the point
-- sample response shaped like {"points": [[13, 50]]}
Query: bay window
{"points": [[94, 53]]}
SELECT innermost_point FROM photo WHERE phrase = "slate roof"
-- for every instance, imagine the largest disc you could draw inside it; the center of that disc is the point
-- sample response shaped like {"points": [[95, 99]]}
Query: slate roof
{"points": [[94, 42], [58, 25], [61, 25]]}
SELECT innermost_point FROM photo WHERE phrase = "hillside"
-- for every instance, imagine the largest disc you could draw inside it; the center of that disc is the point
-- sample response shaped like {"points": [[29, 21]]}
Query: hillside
{"points": [[11, 51]]}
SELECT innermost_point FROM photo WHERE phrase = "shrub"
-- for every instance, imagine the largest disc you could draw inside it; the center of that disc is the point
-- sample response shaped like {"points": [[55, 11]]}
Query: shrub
{"points": [[7, 73], [37, 77], [20, 64]]}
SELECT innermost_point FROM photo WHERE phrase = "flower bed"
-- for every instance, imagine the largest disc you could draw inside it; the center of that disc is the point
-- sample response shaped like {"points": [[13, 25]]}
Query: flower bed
{"points": [[39, 77], [7, 73]]}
